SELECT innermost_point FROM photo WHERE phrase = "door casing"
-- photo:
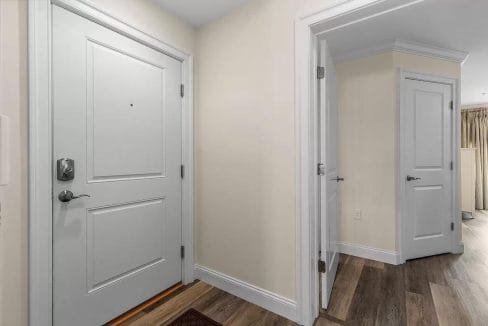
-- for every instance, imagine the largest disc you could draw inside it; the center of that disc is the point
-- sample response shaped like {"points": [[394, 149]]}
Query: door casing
{"points": [[457, 245], [40, 144]]}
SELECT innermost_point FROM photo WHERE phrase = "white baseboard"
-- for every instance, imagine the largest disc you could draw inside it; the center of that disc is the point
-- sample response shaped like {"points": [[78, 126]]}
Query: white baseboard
{"points": [[268, 300], [385, 256]]}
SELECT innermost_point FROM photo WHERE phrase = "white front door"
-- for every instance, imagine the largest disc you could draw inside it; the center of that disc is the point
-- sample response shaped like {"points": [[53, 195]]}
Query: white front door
{"points": [[328, 178], [117, 115], [427, 173]]}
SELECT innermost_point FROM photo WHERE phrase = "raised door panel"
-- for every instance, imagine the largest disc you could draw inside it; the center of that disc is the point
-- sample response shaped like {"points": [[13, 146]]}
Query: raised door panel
{"points": [[429, 130], [125, 116], [123, 240], [429, 212]]}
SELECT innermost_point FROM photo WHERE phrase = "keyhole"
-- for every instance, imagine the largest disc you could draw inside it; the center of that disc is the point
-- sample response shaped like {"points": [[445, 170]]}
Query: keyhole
{"points": [[131, 105]]}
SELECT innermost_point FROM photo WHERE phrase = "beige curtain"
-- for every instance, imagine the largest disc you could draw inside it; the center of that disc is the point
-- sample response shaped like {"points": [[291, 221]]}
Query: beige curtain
{"points": [[474, 134]]}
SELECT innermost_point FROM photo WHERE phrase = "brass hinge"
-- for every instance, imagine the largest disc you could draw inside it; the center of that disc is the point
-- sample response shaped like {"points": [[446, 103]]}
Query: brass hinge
{"points": [[182, 171], [182, 252], [182, 90], [321, 266], [320, 72]]}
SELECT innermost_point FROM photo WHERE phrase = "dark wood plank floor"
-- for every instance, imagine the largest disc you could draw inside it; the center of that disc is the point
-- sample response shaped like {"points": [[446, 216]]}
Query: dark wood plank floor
{"points": [[441, 290]]}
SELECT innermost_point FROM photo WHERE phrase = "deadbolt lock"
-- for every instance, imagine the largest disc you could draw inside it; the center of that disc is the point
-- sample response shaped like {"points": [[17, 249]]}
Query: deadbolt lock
{"points": [[65, 169]]}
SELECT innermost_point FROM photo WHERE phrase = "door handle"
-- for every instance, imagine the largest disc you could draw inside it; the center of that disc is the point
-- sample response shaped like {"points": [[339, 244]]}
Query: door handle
{"points": [[338, 179], [410, 178], [66, 196]]}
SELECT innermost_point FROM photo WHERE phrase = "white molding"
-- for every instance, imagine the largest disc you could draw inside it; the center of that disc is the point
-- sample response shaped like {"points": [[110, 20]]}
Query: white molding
{"points": [[357, 11], [40, 163], [457, 245], [408, 47], [382, 255], [40, 138], [430, 51], [91, 11], [254, 294]]}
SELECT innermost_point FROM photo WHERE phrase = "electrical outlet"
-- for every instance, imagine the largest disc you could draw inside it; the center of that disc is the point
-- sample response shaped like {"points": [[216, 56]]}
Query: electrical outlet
{"points": [[357, 214]]}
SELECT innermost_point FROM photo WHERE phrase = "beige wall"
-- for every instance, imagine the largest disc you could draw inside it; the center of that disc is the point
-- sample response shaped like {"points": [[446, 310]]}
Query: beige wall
{"points": [[245, 222], [144, 15], [13, 197], [368, 138]]}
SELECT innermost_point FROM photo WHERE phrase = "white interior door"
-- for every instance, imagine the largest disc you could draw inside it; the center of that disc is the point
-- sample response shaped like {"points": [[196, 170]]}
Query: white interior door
{"points": [[427, 155], [328, 178], [117, 114]]}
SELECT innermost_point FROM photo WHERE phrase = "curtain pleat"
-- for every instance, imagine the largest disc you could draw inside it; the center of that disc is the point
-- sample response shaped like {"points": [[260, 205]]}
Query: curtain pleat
{"points": [[474, 134]]}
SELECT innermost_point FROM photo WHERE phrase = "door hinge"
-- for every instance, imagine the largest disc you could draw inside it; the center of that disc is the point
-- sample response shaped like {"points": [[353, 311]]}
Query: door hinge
{"points": [[320, 169], [182, 171], [451, 105], [182, 90], [452, 165], [182, 252], [320, 72], [452, 226], [321, 266]]}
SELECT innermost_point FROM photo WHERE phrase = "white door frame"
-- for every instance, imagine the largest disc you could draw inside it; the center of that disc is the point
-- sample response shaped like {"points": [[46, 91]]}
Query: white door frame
{"points": [[308, 28], [40, 145], [457, 245]]}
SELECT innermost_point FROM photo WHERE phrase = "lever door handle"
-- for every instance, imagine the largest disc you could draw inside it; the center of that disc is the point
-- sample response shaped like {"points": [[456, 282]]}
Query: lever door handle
{"points": [[66, 196], [338, 179], [410, 178]]}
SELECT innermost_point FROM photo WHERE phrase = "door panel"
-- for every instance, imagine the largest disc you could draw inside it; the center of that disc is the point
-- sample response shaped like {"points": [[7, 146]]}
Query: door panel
{"points": [[429, 130], [328, 185], [428, 156], [124, 117], [117, 114], [112, 251]]}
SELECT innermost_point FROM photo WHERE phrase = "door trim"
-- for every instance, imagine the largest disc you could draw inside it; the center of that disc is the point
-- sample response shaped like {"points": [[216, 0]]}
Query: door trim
{"points": [[456, 236], [40, 144]]}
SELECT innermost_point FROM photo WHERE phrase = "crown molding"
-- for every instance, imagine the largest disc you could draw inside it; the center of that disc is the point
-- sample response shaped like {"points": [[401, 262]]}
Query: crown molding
{"points": [[430, 51], [407, 47]]}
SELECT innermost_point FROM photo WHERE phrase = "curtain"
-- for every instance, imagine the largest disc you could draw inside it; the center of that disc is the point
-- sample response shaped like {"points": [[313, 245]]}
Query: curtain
{"points": [[474, 134]]}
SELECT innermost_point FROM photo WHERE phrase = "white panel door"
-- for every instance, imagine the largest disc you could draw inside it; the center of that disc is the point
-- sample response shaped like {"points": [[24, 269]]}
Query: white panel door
{"points": [[117, 114], [328, 178], [427, 168]]}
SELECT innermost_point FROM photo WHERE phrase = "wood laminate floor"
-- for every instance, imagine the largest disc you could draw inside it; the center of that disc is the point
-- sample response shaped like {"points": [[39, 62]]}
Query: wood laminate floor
{"points": [[441, 290]]}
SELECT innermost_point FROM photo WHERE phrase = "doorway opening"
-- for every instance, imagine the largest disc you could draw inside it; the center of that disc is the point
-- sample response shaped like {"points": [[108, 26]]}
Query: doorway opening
{"points": [[396, 145]]}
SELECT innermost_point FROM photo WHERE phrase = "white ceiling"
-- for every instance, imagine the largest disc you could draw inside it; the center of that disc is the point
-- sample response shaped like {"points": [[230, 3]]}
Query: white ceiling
{"points": [[199, 12], [452, 24]]}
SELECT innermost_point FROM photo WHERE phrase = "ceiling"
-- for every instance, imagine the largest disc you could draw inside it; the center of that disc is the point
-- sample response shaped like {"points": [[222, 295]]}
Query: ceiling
{"points": [[451, 24], [199, 12]]}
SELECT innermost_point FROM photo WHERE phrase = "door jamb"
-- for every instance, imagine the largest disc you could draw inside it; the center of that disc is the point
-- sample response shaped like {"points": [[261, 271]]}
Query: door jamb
{"points": [[457, 245], [40, 144], [308, 27]]}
